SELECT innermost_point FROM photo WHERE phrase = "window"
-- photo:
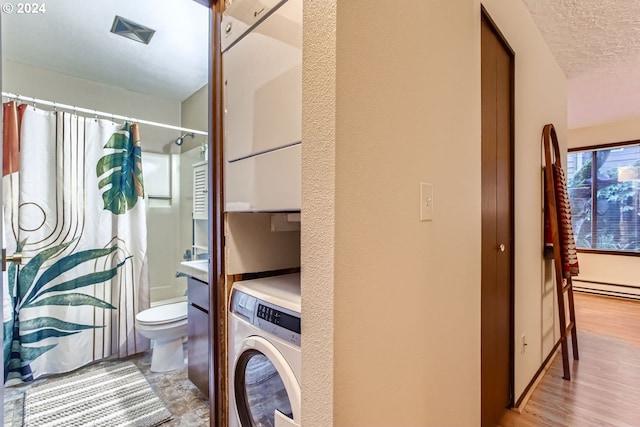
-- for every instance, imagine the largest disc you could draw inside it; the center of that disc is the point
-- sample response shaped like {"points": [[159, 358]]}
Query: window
{"points": [[610, 175]]}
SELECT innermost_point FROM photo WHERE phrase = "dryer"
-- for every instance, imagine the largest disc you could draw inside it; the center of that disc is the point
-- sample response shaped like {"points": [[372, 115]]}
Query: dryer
{"points": [[261, 44], [264, 352]]}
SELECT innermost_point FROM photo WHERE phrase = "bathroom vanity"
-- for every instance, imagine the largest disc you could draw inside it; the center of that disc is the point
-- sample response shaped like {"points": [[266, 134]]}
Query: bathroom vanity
{"points": [[198, 324]]}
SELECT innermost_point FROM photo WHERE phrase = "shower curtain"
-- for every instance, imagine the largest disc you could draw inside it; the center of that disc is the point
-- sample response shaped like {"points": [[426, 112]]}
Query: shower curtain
{"points": [[74, 208]]}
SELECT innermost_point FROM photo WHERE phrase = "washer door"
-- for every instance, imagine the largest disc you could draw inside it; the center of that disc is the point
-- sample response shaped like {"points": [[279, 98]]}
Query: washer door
{"points": [[266, 389]]}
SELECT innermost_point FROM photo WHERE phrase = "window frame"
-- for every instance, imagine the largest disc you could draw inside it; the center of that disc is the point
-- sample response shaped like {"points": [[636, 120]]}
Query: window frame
{"points": [[594, 191]]}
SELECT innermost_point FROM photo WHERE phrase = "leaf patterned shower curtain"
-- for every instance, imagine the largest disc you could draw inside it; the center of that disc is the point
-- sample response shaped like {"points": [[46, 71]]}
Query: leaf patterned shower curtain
{"points": [[74, 207]]}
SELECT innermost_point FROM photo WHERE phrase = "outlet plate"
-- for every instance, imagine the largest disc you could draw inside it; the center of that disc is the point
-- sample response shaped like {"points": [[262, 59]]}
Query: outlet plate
{"points": [[426, 202]]}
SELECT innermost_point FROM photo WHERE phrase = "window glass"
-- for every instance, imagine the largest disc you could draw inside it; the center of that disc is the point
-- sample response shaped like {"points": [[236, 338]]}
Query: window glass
{"points": [[579, 168], [265, 392], [611, 223]]}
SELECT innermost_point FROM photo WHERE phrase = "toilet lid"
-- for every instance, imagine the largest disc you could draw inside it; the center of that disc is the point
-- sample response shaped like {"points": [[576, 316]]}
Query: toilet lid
{"points": [[163, 313]]}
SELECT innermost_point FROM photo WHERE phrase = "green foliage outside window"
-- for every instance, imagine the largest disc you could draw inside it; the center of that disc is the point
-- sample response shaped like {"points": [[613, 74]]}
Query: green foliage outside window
{"points": [[614, 222]]}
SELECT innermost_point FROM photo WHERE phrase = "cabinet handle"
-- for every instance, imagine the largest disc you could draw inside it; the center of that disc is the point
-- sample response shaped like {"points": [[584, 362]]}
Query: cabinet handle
{"points": [[199, 308]]}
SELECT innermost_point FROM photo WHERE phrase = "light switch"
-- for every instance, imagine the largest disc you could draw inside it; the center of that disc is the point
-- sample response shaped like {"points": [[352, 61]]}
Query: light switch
{"points": [[426, 202]]}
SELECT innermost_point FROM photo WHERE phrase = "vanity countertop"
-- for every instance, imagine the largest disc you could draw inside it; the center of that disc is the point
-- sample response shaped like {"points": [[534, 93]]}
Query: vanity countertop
{"points": [[198, 269]]}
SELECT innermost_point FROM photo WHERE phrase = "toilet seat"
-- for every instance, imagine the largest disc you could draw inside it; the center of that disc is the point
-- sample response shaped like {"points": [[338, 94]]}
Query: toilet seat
{"points": [[163, 314]]}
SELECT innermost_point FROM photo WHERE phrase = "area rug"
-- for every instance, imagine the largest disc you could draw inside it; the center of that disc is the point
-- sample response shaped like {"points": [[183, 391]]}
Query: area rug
{"points": [[117, 395]]}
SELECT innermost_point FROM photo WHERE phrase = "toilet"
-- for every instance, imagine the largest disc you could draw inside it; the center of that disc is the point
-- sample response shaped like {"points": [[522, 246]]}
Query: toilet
{"points": [[166, 326]]}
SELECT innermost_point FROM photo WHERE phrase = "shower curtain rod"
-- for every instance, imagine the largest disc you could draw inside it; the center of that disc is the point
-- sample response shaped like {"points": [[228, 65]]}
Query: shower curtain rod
{"points": [[97, 113]]}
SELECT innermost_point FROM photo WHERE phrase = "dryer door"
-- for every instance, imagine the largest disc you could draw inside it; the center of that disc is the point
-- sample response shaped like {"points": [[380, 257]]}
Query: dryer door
{"points": [[267, 391]]}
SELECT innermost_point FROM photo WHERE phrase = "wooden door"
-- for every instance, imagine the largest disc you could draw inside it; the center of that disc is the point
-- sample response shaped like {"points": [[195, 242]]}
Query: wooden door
{"points": [[497, 225]]}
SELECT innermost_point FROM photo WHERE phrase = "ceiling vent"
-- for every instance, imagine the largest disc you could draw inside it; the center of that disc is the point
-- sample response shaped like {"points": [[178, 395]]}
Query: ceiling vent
{"points": [[129, 29]]}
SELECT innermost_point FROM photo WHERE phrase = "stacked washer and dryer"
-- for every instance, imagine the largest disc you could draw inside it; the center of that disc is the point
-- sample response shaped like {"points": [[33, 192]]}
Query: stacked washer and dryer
{"points": [[262, 73]]}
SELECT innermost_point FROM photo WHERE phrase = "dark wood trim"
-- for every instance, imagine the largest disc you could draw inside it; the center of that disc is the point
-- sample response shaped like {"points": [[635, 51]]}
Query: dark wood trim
{"points": [[512, 197], [492, 24], [232, 278], [217, 293], [607, 252], [606, 146], [538, 373], [594, 191]]}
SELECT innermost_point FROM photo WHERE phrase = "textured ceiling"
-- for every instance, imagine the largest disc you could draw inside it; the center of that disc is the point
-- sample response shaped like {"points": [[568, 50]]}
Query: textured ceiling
{"points": [[597, 44], [73, 37]]}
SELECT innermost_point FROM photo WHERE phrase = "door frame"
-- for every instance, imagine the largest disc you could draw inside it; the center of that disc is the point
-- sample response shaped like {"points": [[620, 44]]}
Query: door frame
{"points": [[217, 295], [485, 16]]}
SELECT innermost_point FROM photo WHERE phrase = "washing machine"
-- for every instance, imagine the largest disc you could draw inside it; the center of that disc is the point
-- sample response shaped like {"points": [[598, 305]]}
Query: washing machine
{"points": [[264, 352]]}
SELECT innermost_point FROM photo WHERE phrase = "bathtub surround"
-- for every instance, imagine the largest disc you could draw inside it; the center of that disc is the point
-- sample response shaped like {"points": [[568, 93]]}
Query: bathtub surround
{"points": [[163, 237]]}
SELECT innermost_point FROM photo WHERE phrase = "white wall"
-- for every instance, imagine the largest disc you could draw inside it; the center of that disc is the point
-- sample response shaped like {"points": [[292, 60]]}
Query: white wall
{"points": [[615, 269], [391, 97], [162, 218], [195, 115], [53, 86], [164, 237]]}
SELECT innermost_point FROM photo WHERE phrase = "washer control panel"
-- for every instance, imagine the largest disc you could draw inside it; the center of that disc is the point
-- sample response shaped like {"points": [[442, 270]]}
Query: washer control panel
{"points": [[284, 324]]}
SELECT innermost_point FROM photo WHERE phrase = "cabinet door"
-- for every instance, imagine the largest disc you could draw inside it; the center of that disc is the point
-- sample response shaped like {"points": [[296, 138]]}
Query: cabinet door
{"points": [[198, 348], [200, 191], [263, 86], [198, 326]]}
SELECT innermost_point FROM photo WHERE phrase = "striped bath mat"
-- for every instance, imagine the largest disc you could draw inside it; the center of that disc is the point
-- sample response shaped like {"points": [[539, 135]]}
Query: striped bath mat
{"points": [[117, 395]]}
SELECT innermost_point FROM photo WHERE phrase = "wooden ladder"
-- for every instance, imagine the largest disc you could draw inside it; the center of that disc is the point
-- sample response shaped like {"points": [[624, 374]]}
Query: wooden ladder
{"points": [[564, 285]]}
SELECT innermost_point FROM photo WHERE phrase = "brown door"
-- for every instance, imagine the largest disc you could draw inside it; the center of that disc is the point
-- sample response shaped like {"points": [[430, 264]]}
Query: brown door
{"points": [[497, 225]]}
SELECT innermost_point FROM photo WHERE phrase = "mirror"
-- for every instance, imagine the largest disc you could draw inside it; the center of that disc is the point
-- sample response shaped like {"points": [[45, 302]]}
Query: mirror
{"points": [[65, 52]]}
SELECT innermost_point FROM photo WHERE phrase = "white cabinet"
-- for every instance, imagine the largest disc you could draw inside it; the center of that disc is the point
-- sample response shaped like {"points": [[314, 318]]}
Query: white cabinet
{"points": [[262, 72], [263, 86], [200, 190], [200, 223], [265, 183]]}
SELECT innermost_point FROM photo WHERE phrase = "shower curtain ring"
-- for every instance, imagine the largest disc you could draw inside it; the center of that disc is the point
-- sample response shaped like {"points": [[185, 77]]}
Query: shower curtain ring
{"points": [[95, 115]]}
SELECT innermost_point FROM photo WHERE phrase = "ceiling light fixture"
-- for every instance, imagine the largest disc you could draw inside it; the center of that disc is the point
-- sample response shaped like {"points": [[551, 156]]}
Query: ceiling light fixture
{"points": [[129, 29]]}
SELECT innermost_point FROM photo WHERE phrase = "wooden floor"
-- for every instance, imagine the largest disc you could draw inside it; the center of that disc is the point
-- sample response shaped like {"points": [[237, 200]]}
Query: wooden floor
{"points": [[605, 383]]}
